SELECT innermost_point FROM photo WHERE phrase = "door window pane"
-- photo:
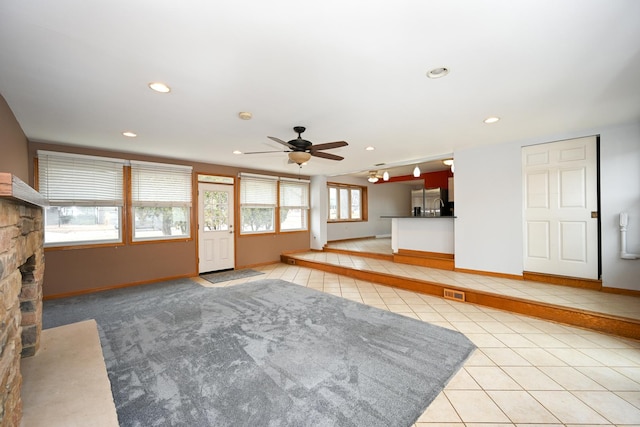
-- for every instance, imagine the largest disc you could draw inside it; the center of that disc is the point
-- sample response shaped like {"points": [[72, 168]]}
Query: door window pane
{"points": [[216, 211]]}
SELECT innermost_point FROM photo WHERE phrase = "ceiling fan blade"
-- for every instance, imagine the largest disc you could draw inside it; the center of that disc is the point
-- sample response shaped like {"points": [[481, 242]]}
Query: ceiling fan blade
{"points": [[328, 145], [279, 141], [263, 152], [326, 155]]}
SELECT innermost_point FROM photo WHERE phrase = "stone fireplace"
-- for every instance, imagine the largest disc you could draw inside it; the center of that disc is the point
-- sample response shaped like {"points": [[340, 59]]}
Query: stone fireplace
{"points": [[21, 277]]}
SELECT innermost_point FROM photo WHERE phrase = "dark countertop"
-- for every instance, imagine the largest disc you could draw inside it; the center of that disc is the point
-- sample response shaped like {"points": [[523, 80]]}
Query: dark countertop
{"points": [[418, 217]]}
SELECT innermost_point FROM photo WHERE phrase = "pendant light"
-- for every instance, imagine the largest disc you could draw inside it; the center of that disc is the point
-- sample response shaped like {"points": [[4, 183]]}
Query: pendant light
{"points": [[416, 172]]}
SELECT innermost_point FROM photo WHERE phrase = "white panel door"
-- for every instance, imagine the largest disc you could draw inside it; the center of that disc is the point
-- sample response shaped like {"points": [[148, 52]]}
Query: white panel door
{"points": [[215, 227], [560, 207]]}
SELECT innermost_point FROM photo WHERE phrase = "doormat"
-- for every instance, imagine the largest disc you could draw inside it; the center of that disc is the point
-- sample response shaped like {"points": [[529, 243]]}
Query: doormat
{"points": [[225, 276]]}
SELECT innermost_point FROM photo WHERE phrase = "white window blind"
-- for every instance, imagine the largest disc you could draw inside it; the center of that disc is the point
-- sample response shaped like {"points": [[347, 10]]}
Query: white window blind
{"points": [[77, 180], [258, 192], [160, 184], [294, 194]]}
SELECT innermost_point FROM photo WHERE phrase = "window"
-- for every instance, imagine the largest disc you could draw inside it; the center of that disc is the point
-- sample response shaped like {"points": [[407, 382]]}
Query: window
{"points": [[85, 195], [294, 205], [258, 201], [347, 202], [161, 201]]}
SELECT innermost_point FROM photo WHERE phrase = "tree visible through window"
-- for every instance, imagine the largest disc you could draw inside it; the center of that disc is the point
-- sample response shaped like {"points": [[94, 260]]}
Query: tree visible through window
{"points": [[161, 199], [86, 198], [258, 201]]}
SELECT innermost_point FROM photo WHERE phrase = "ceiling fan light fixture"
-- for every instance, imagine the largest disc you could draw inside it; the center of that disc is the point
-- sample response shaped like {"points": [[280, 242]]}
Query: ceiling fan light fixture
{"points": [[447, 162], [416, 172], [385, 176], [299, 157], [372, 179]]}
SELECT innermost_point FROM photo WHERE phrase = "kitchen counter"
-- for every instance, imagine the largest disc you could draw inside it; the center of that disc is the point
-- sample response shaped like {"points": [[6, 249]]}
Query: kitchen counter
{"points": [[422, 236]]}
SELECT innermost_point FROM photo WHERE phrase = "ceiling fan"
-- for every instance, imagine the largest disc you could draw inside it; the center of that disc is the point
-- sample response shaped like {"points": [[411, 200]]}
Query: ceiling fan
{"points": [[375, 176], [301, 150]]}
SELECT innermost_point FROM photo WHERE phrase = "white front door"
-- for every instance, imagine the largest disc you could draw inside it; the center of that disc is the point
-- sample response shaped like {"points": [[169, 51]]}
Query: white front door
{"points": [[215, 227], [561, 207]]}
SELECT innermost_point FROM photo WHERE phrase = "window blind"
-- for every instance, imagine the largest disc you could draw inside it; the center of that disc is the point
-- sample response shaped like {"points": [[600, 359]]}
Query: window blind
{"points": [[258, 192], [77, 180], [160, 184], [294, 194]]}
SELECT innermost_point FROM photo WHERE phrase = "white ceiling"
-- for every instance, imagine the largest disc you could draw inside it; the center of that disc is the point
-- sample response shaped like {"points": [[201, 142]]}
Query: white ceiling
{"points": [[76, 72]]}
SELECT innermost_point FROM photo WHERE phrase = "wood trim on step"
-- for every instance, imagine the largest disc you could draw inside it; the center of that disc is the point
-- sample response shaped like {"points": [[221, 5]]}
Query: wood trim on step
{"points": [[423, 261], [372, 255], [352, 239], [424, 254], [629, 292], [624, 327], [489, 273], [574, 282]]}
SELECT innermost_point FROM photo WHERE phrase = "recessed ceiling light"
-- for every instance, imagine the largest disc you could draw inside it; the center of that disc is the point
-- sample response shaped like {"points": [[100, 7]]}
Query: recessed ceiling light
{"points": [[437, 73], [490, 120], [244, 115], [237, 152], [129, 134], [159, 87], [370, 148]]}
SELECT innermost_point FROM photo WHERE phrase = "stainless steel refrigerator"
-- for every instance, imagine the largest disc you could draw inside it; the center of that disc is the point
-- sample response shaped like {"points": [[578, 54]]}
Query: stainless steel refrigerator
{"points": [[429, 202]]}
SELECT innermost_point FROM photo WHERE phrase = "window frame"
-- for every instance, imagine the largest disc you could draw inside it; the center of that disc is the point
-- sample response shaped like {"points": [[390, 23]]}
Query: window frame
{"points": [[186, 203], [67, 188], [246, 179], [364, 214], [126, 209], [304, 207]]}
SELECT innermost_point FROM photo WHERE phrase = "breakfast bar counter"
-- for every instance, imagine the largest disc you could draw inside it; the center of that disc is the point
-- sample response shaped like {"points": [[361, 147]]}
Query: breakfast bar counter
{"points": [[433, 234]]}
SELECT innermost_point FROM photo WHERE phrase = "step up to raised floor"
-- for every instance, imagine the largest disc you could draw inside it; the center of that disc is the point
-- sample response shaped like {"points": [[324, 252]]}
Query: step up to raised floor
{"points": [[425, 259], [621, 326]]}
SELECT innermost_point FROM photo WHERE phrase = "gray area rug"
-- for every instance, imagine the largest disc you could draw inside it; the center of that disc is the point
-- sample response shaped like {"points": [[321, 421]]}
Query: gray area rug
{"points": [[225, 276], [264, 353]]}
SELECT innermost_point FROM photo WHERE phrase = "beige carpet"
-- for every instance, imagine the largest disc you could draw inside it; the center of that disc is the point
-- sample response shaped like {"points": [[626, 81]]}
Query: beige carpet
{"points": [[65, 384]]}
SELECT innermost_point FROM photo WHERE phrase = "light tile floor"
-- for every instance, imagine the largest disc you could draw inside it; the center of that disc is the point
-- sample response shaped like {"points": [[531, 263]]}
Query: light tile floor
{"points": [[526, 372], [584, 299]]}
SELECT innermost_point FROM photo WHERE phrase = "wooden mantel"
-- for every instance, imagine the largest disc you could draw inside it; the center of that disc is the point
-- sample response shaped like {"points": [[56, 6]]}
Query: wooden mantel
{"points": [[12, 187]]}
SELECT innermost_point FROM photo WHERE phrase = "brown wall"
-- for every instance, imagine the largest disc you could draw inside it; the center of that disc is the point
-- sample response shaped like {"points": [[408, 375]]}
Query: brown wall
{"points": [[81, 270], [14, 157]]}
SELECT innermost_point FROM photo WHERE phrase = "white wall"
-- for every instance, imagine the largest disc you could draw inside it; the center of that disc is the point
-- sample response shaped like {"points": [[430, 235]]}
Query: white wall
{"points": [[384, 199], [319, 212], [488, 227], [488, 230], [620, 192]]}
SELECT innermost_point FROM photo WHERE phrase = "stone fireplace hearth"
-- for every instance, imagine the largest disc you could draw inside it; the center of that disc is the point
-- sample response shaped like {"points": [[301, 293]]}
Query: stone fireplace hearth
{"points": [[21, 277]]}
